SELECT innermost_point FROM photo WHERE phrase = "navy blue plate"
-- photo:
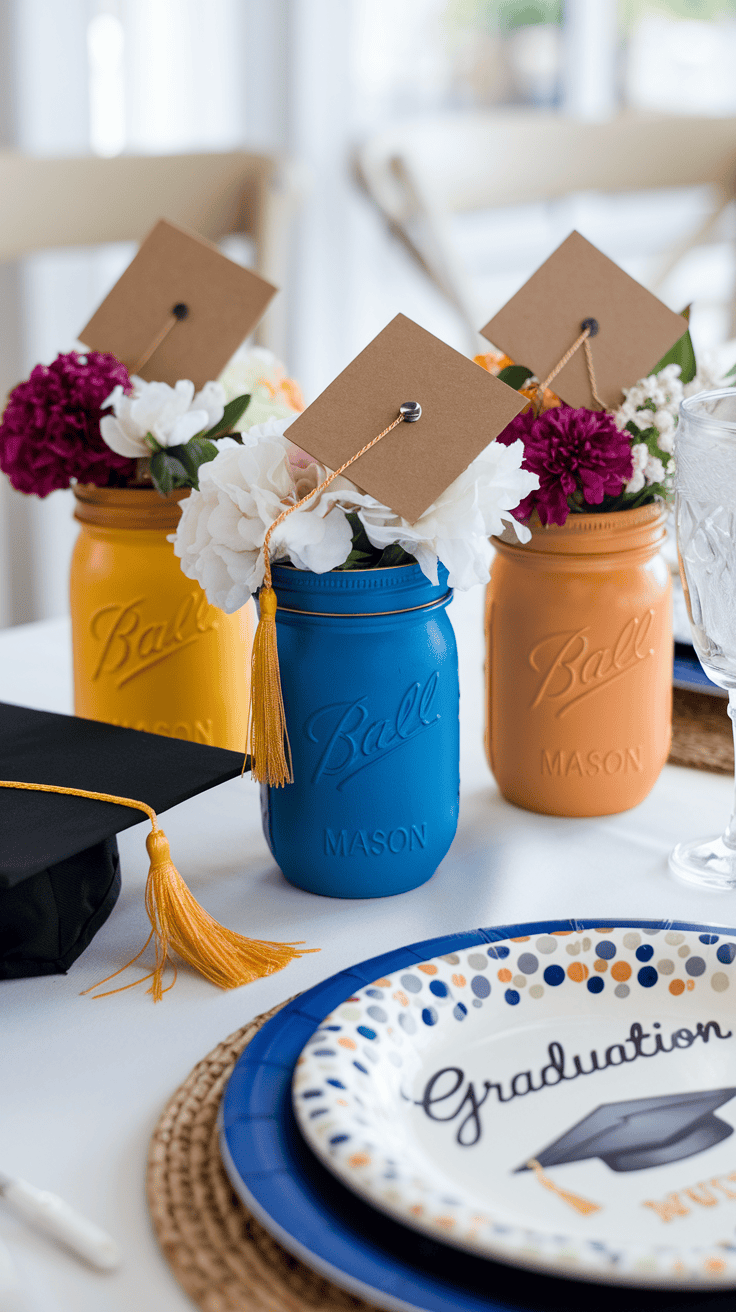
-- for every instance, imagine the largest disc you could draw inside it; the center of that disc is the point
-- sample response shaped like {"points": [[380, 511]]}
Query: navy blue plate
{"points": [[333, 1231]]}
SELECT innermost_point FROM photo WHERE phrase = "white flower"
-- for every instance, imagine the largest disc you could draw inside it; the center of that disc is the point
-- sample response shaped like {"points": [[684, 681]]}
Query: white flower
{"points": [[456, 528], [171, 414], [654, 470], [241, 492], [256, 372], [640, 453]]}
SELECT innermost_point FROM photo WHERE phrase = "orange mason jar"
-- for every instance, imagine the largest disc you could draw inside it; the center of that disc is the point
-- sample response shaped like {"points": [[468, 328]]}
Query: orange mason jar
{"points": [[579, 663], [149, 650]]}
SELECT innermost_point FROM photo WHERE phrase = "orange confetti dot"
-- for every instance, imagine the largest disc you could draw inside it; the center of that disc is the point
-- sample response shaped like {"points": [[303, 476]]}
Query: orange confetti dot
{"points": [[677, 987], [577, 972], [690, 985], [599, 965], [382, 983], [416, 1209], [341, 1102], [714, 1265], [523, 938], [609, 930], [359, 1159], [621, 970], [459, 981], [504, 976], [447, 1222], [561, 933], [347, 1043], [402, 998], [428, 968]]}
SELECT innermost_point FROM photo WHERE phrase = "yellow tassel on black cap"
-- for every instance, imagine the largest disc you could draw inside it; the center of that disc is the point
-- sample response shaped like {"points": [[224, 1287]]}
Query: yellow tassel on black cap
{"points": [[179, 923], [581, 1205]]}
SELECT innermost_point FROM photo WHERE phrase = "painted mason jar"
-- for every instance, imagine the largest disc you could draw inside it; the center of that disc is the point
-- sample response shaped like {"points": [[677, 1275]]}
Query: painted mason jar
{"points": [[579, 663], [149, 651], [370, 682]]}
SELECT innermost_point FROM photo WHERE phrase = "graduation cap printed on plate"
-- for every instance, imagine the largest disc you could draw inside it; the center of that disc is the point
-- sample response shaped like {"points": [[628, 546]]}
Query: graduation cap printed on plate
{"points": [[59, 864], [577, 284], [407, 417], [636, 1135], [180, 310]]}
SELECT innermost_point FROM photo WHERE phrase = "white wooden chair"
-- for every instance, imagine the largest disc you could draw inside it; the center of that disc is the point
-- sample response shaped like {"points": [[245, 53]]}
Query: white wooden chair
{"points": [[422, 173], [51, 203]]}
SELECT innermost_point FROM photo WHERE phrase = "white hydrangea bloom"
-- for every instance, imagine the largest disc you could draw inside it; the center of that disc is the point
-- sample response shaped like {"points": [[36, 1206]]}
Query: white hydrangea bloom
{"points": [[171, 414], [640, 453], [652, 402], [256, 372]]}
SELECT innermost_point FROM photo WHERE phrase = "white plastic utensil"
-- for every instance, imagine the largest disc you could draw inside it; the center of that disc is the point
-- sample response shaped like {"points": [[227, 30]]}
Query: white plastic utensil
{"points": [[12, 1294], [49, 1213]]}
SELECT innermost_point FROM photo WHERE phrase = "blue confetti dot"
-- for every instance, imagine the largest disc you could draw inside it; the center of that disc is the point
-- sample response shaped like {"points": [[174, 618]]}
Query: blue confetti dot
{"points": [[429, 1016], [363, 1069], [459, 1011], [411, 983], [647, 977], [325, 1052], [695, 965], [377, 1013], [645, 952], [605, 950], [320, 1111], [595, 985], [528, 963], [336, 1084], [726, 953], [498, 952], [313, 1093], [339, 1138], [480, 986], [407, 1022], [375, 993], [512, 997], [554, 975], [439, 989], [477, 1002], [709, 938], [366, 1032], [331, 1027]]}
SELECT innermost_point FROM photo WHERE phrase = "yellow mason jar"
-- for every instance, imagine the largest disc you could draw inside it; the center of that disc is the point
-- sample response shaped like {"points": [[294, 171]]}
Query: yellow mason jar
{"points": [[149, 651]]}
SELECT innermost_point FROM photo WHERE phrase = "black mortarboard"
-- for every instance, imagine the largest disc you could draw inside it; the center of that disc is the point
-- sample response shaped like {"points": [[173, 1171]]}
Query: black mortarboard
{"points": [[59, 864], [642, 1132]]}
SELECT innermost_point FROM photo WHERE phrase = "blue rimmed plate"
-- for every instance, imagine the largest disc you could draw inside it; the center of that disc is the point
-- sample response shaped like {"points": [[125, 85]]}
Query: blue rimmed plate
{"points": [[610, 1080]]}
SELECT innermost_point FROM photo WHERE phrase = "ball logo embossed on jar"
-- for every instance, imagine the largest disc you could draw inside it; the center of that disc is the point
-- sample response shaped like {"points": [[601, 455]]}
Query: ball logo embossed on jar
{"points": [[571, 671], [129, 645], [355, 740]]}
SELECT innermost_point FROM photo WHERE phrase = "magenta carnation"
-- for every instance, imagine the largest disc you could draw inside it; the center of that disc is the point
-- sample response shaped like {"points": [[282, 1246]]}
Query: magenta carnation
{"points": [[571, 451], [50, 428]]}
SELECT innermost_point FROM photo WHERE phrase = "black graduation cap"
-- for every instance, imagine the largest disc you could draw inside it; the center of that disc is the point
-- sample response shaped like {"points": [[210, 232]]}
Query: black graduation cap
{"points": [[642, 1132], [59, 863]]}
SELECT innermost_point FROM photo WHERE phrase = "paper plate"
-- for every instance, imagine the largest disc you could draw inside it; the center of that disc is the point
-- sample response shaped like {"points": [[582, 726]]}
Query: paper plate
{"points": [[563, 1099]]}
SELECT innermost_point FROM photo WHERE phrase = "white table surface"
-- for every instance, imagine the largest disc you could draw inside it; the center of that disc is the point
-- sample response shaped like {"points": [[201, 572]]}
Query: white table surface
{"points": [[83, 1082]]}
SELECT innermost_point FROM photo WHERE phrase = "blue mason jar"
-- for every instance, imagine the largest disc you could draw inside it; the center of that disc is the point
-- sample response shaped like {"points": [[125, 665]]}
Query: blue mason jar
{"points": [[370, 682]]}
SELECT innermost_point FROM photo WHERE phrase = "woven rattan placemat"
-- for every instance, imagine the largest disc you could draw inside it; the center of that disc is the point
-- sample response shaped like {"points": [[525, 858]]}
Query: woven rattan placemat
{"points": [[701, 732], [222, 1257]]}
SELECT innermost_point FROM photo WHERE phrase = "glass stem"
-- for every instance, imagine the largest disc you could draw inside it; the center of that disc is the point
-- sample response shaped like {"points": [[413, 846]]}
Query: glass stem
{"points": [[729, 836]]}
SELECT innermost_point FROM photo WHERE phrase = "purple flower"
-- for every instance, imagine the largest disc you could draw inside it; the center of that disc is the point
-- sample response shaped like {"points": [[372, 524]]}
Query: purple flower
{"points": [[572, 451], [50, 428]]}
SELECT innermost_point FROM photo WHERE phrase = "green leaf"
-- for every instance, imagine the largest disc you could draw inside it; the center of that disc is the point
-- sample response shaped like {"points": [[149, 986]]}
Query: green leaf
{"points": [[233, 411], [151, 440], [168, 472], [731, 373], [681, 353], [515, 375]]}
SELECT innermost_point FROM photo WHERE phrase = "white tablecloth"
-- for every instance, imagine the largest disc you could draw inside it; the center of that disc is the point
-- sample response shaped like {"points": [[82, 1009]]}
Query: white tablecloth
{"points": [[82, 1082]]}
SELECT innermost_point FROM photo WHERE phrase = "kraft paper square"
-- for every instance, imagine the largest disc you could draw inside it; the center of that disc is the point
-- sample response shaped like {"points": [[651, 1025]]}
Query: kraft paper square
{"points": [[174, 267], [541, 322], [463, 409]]}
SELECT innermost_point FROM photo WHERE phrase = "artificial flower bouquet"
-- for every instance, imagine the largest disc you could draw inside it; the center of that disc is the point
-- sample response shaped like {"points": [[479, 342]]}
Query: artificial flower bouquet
{"points": [[83, 419]]}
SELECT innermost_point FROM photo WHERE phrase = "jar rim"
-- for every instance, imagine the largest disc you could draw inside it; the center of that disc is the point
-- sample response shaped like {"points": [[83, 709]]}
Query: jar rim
{"points": [[687, 408]]}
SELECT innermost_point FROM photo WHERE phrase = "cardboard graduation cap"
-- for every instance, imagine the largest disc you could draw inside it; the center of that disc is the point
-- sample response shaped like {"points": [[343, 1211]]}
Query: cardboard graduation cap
{"points": [[643, 1132], [575, 285], [180, 310], [59, 863], [452, 410]]}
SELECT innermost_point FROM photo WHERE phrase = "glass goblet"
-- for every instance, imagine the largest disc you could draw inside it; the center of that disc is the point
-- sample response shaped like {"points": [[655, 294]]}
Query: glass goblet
{"points": [[705, 516]]}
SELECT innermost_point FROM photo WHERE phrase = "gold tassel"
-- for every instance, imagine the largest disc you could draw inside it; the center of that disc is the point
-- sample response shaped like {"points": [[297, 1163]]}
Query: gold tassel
{"points": [[179, 923], [581, 1205], [268, 740]]}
